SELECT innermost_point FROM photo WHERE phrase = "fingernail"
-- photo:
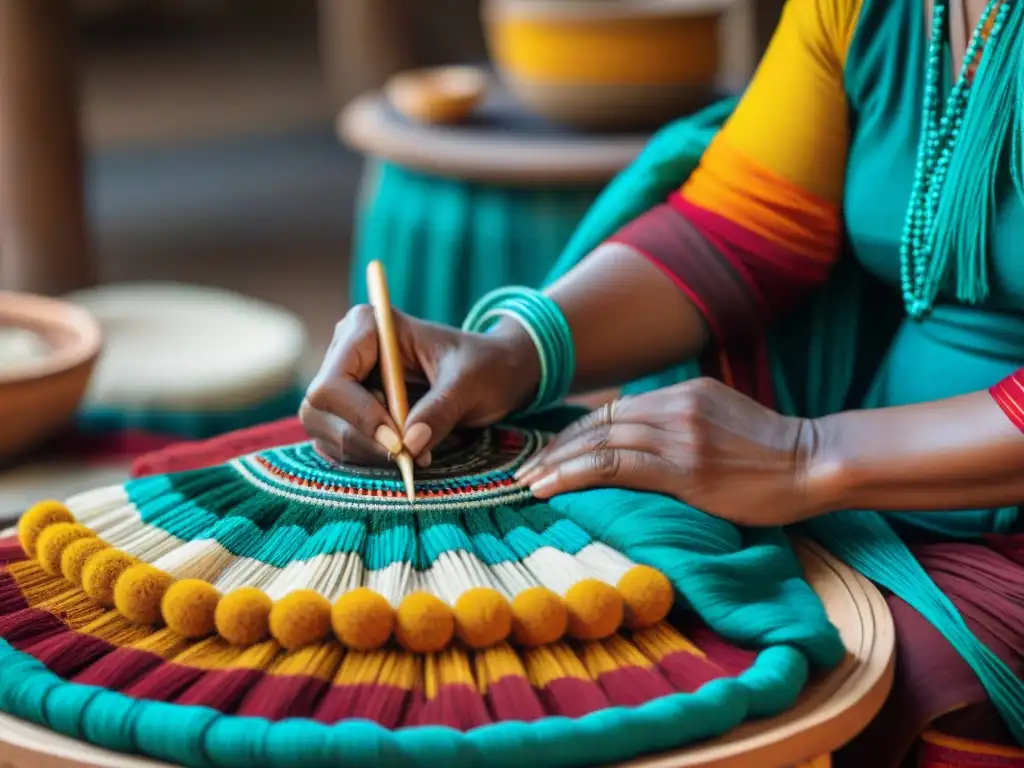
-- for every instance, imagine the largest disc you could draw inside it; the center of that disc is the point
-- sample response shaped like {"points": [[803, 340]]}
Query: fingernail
{"points": [[526, 477], [424, 460], [386, 436], [543, 486], [529, 467], [379, 396], [417, 437]]}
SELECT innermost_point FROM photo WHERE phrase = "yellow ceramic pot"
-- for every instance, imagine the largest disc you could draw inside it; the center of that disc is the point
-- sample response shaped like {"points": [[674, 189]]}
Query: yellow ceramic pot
{"points": [[607, 64]]}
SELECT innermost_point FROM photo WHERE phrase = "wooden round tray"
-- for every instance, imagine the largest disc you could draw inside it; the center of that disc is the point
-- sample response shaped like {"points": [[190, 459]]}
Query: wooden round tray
{"points": [[499, 144], [832, 710]]}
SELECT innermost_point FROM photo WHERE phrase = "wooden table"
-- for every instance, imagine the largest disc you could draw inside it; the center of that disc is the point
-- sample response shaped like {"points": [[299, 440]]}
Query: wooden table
{"points": [[830, 712]]}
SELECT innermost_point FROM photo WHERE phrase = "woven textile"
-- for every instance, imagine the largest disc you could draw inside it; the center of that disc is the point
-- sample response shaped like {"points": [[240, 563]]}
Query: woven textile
{"points": [[547, 642]]}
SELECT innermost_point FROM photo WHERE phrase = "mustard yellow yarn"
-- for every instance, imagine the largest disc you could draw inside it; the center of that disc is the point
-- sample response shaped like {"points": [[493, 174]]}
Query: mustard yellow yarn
{"points": [[483, 617], [647, 594], [53, 540], [243, 616], [539, 617], [362, 619], [423, 623], [139, 593], [101, 572], [37, 519], [76, 555], [300, 618], [188, 607], [595, 609]]}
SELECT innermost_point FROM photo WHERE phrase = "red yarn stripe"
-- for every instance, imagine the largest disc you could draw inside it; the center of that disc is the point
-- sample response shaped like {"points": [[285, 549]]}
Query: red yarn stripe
{"points": [[89, 660], [11, 598]]}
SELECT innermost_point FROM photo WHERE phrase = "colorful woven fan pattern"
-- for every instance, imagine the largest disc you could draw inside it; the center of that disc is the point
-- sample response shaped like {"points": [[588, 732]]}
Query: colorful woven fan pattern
{"points": [[282, 543], [281, 608]]}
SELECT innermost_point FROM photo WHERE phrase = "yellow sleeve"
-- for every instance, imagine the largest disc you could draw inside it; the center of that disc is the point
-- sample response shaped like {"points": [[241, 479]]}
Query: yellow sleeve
{"points": [[777, 168]]}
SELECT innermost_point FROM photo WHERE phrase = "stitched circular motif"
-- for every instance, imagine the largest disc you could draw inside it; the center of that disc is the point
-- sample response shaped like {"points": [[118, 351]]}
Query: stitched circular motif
{"points": [[471, 470]]}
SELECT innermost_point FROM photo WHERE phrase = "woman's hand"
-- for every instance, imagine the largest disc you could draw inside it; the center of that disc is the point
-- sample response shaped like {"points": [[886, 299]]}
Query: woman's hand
{"points": [[474, 380], [701, 442]]}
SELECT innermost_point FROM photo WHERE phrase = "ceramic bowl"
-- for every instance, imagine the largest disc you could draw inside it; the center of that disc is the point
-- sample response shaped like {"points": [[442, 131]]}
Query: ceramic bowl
{"points": [[607, 64], [442, 95], [39, 394]]}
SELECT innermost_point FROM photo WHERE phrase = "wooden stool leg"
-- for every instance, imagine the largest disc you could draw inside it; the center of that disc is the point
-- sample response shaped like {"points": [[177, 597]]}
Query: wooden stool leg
{"points": [[43, 242]]}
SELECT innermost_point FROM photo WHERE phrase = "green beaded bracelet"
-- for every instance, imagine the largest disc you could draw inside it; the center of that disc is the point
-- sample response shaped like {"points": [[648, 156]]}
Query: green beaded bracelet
{"points": [[547, 327]]}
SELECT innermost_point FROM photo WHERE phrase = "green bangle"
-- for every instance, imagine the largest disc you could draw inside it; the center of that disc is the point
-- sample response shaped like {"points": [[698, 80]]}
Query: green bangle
{"points": [[547, 327]]}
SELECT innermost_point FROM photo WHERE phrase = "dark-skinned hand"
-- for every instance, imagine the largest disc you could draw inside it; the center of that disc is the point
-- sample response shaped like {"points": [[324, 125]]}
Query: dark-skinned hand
{"points": [[474, 380], [702, 442]]}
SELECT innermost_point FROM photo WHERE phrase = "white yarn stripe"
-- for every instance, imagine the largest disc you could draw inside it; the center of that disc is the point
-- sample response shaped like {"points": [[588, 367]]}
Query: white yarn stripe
{"points": [[602, 559], [91, 504], [333, 575], [393, 582]]}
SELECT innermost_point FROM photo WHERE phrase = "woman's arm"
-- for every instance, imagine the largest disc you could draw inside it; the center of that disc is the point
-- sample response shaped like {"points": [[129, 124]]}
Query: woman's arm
{"points": [[960, 453], [754, 229]]}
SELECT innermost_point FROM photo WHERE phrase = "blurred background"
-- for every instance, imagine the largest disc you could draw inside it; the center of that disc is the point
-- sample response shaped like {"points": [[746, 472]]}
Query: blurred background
{"points": [[211, 155], [269, 149]]}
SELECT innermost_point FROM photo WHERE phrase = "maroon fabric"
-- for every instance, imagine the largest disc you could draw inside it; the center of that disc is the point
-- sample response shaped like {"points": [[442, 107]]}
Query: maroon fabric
{"points": [[940, 756], [667, 239], [727, 297], [933, 684], [206, 453]]}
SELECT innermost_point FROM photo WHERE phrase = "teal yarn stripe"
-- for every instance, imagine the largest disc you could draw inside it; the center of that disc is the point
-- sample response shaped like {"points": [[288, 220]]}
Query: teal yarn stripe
{"points": [[198, 737], [301, 531]]}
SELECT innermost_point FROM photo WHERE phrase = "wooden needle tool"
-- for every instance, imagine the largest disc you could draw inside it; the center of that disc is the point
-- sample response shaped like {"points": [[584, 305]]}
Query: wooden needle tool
{"points": [[390, 361]]}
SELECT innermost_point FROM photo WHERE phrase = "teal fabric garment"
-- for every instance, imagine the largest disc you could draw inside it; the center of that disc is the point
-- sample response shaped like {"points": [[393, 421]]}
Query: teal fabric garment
{"points": [[447, 242], [851, 346]]}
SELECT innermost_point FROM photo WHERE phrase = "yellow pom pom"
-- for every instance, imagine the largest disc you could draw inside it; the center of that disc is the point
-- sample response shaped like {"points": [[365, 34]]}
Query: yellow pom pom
{"points": [[539, 617], [77, 554], [36, 519], [424, 624], [243, 616], [648, 596], [362, 619], [482, 617], [101, 572], [139, 592], [595, 609], [188, 607], [52, 542], [300, 618]]}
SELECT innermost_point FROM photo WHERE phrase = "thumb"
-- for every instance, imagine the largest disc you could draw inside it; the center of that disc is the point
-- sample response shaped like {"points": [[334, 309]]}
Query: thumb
{"points": [[434, 417]]}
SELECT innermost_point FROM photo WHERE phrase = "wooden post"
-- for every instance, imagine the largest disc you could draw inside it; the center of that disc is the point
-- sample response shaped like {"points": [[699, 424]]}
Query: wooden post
{"points": [[43, 242], [364, 42]]}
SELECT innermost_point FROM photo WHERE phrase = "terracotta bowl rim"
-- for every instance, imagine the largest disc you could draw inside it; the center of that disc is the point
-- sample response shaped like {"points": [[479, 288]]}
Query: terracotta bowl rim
{"points": [[42, 314], [602, 10]]}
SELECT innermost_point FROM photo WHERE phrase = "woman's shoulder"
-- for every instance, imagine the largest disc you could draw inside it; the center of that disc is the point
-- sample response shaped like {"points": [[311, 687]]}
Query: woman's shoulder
{"points": [[825, 25]]}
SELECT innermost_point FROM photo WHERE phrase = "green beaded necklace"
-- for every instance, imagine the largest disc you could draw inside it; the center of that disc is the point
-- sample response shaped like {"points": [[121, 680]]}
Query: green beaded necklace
{"points": [[945, 219]]}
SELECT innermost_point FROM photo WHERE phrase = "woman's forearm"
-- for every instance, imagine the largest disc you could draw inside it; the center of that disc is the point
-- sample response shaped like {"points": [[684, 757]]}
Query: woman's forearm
{"points": [[959, 453], [627, 319]]}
